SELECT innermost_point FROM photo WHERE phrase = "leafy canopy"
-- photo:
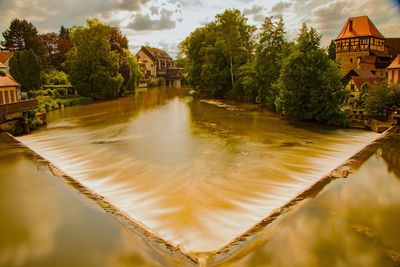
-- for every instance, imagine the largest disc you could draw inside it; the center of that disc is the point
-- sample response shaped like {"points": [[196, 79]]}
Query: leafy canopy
{"points": [[310, 85], [91, 64], [26, 69]]}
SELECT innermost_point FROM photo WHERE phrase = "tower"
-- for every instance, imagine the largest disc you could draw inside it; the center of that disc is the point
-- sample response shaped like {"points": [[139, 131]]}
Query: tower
{"points": [[360, 45]]}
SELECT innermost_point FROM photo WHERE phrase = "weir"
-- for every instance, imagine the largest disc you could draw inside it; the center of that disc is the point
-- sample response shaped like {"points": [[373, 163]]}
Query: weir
{"points": [[266, 163], [244, 243]]}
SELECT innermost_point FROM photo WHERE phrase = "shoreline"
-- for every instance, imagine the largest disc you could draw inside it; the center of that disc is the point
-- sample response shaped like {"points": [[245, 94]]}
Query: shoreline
{"points": [[372, 125]]}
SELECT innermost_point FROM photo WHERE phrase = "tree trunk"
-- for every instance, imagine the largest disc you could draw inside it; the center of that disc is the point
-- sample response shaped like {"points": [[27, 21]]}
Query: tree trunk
{"points": [[231, 63]]}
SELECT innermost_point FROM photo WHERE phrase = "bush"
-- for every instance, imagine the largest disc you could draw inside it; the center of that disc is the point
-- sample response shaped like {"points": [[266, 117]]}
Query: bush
{"points": [[55, 77], [34, 121], [76, 101], [59, 92]]}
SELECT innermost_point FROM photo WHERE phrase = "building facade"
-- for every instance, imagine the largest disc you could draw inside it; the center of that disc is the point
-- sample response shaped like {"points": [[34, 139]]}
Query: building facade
{"points": [[394, 72], [9, 88], [158, 67], [13, 110], [360, 45]]}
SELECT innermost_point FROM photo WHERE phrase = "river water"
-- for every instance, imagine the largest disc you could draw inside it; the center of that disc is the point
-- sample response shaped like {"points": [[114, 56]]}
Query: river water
{"points": [[195, 174]]}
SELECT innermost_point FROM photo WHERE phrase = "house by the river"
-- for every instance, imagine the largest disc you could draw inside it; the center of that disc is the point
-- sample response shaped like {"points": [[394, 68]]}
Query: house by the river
{"points": [[158, 67], [13, 110]]}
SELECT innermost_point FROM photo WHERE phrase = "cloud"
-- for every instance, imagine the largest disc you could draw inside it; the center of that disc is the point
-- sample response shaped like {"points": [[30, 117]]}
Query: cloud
{"points": [[146, 23], [279, 7], [255, 9], [154, 10], [329, 18], [49, 15], [258, 17]]}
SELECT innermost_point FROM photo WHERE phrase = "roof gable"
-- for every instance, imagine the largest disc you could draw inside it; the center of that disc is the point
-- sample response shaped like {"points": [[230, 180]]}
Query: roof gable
{"points": [[8, 81], [359, 26], [361, 73], [395, 64], [155, 53], [4, 56]]}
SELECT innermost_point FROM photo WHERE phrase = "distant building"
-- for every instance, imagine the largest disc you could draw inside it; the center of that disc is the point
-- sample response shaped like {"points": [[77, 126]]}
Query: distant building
{"points": [[13, 110], [357, 82], [158, 67], [5, 57], [360, 45], [9, 88], [394, 72]]}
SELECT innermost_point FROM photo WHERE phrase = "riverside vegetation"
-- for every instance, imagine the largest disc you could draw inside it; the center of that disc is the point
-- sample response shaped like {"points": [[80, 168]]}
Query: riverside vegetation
{"points": [[230, 59], [75, 66]]}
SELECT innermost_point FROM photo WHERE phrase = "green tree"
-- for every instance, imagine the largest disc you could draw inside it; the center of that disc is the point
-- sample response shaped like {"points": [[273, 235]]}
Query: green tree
{"points": [[245, 85], [216, 52], [234, 36], [310, 85], [119, 44], [271, 51], [91, 64], [381, 98], [55, 77], [23, 35], [135, 74], [25, 68], [197, 48], [332, 50], [64, 33]]}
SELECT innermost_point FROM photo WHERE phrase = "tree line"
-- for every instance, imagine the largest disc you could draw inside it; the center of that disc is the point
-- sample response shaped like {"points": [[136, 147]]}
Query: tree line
{"points": [[230, 59], [94, 58]]}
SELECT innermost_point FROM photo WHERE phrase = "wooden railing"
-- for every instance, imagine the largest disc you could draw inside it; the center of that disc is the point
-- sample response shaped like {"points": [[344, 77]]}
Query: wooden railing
{"points": [[19, 106]]}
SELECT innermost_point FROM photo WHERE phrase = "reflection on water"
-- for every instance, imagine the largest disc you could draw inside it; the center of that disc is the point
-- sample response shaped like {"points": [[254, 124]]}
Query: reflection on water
{"points": [[45, 223], [196, 174], [353, 222]]}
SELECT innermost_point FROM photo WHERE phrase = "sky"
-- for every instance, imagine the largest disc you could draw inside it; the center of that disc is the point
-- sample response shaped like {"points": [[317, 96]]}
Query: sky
{"points": [[165, 23]]}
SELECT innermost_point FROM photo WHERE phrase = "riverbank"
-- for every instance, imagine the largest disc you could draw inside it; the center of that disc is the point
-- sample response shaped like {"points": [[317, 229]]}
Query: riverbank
{"points": [[371, 124], [232, 105]]}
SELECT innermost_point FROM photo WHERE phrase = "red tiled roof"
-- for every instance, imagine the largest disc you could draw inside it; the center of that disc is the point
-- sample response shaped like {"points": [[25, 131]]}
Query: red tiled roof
{"points": [[359, 26], [395, 64], [8, 81], [4, 56], [157, 53]]}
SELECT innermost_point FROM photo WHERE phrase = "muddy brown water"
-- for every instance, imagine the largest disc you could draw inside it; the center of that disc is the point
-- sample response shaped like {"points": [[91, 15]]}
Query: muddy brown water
{"points": [[194, 174]]}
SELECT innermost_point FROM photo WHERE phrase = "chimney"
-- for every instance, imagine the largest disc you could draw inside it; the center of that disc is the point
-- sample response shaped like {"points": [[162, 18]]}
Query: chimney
{"points": [[351, 25]]}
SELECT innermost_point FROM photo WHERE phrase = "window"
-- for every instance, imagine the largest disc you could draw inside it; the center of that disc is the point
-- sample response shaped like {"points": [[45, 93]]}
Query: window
{"points": [[1, 98], [12, 96], [352, 87], [7, 100], [364, 41]]}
